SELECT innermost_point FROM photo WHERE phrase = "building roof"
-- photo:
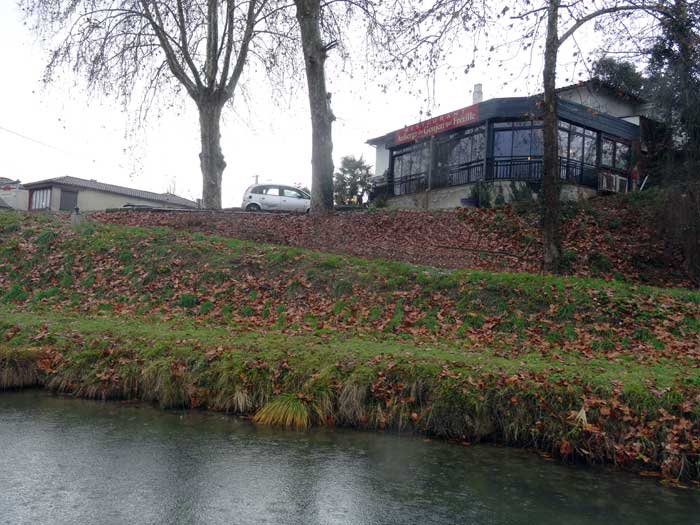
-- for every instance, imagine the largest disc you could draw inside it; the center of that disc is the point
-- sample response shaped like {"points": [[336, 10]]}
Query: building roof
{"points": [[530, 108], [75, 182], [5, 181]]}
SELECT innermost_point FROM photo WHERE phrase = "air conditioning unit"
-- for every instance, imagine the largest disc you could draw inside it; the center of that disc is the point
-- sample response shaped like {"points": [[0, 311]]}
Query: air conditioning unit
{"points": [[622, 184], [609, 182]]}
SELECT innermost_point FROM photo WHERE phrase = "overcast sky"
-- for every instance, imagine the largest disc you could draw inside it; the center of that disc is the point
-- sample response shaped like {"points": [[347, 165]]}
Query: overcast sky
{"points": [[65, 131]]}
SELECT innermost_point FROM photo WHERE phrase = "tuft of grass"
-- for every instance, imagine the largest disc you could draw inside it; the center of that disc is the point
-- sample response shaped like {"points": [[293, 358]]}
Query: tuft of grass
{"points": [[46, 237], [206, 307], [188, 301], [18, 368], [286, 410], [15, 294], [599, 262]]}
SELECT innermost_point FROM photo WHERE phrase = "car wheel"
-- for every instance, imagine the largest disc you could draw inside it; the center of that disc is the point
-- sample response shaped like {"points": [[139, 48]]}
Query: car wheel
{"points": [[252, 207]]}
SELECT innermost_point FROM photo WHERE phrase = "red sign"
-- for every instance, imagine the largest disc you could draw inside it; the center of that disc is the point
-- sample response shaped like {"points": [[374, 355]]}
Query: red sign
{"points": [[427, 128]]}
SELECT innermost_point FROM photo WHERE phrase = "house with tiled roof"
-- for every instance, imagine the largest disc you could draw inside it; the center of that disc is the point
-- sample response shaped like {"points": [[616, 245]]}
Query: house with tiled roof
{"points": [[68, 193]]}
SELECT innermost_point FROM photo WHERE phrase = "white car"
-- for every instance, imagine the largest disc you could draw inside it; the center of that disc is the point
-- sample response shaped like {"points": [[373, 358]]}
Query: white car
{"points": [[276, 197]]}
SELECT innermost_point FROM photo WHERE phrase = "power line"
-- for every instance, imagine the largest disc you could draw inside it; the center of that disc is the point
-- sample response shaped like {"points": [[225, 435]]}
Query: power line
{"points": [[30, 139], [65, 152]]}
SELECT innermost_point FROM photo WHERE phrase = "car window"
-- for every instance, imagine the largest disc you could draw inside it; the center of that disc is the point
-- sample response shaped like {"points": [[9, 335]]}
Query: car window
{"points": [[272, 191], [258, 190], [294, 194]]}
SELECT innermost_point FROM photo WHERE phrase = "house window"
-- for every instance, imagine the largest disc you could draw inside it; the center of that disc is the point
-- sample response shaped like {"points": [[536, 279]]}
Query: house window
{"points": [[460, 157], [578, 153], [518, 139], [41, 199], [622, 156], [590, 149], [517, 149], [411, 168], [616, 154]]}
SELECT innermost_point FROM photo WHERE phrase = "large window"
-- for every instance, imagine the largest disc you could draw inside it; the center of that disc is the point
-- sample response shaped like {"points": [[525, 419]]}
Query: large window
{"points": [[517, 149], [518, 139], [41, 199], [578, 152], [459, 157], [615, 154], [411, 168]]}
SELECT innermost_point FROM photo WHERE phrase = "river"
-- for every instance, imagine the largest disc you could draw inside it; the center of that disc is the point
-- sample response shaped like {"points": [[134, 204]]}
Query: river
{"points": [[64, 460]]}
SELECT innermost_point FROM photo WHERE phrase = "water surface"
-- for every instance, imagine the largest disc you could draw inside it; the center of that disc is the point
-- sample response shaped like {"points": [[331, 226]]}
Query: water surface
{"points": [[71, 461]]}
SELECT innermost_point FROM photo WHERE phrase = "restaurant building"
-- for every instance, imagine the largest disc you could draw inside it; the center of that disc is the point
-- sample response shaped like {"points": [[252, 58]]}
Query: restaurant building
{"points": [[490, 153]]}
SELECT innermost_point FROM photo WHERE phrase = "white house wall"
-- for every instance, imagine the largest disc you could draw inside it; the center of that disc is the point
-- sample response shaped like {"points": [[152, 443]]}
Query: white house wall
{"points": [[601, 102], [91, 200], [17, 199]]}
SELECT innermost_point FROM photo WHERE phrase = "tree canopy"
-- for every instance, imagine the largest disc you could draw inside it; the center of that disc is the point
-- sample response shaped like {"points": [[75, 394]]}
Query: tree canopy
{"points": [[153, 49], [351, 180]]}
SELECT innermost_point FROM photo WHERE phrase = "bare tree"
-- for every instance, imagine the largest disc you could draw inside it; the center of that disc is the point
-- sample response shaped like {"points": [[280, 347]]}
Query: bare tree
{"points": [[323, 26], [308, 13], [201, 46], [562, 22]]}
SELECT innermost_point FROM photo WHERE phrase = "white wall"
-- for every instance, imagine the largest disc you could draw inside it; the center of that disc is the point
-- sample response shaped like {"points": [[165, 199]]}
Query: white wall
{"points": [[600, 101], [90, 200], [16, 198]]}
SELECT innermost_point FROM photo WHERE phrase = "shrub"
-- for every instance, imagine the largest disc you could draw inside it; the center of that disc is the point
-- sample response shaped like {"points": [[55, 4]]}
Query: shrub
{"points": [[188, 301], [599, 262], [15, 294]]}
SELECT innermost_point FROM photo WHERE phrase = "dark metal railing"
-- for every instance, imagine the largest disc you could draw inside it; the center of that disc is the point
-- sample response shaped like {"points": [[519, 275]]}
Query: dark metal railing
{"points": [[412, 184], [527, 169], [515, 169], [456, 175]]}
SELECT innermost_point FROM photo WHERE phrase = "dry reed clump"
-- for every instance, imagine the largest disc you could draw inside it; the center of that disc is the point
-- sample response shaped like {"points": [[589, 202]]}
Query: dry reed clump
{"points": [[19, 370], [167, 383], [286, 410]]}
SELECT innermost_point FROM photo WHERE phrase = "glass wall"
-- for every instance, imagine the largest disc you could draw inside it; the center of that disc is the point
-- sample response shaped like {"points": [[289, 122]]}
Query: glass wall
{"points": [[578, 153], [615, 154], [411, 168], [515, 152], [517, 149], [460, 157]]}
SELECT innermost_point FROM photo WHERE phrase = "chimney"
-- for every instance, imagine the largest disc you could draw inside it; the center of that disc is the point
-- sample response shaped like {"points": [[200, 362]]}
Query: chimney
{"points": [[478, 95]]}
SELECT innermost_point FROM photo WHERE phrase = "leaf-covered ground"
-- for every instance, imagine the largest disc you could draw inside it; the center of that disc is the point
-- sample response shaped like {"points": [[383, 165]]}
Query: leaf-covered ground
{"points": [[580, 368], [608, 237]]}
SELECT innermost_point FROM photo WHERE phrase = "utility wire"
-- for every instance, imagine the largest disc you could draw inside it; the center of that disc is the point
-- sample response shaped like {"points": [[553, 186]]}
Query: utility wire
{"points": [[65, 152], [30, 139]]}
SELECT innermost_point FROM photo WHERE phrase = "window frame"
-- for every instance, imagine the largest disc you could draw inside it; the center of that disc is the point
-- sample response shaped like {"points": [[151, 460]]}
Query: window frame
{"points": [[45, 198], [513, 126], [297, 193]]}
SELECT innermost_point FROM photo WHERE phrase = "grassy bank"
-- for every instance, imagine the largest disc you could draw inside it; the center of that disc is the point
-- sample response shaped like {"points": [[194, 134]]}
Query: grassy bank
{"points": [[580, 368]]}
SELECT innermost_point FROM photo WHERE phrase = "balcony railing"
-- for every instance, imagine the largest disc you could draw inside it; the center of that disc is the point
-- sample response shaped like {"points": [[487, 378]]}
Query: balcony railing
{"points": [[524, 169]]}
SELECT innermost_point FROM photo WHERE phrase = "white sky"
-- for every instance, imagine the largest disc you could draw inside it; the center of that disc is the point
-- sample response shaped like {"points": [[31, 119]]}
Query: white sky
{"points": [[86, 136]]}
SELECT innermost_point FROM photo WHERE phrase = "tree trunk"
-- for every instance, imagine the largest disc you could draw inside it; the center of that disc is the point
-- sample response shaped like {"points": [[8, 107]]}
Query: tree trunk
{"points": [[551, 227], [211, 159], [308, 16]]}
